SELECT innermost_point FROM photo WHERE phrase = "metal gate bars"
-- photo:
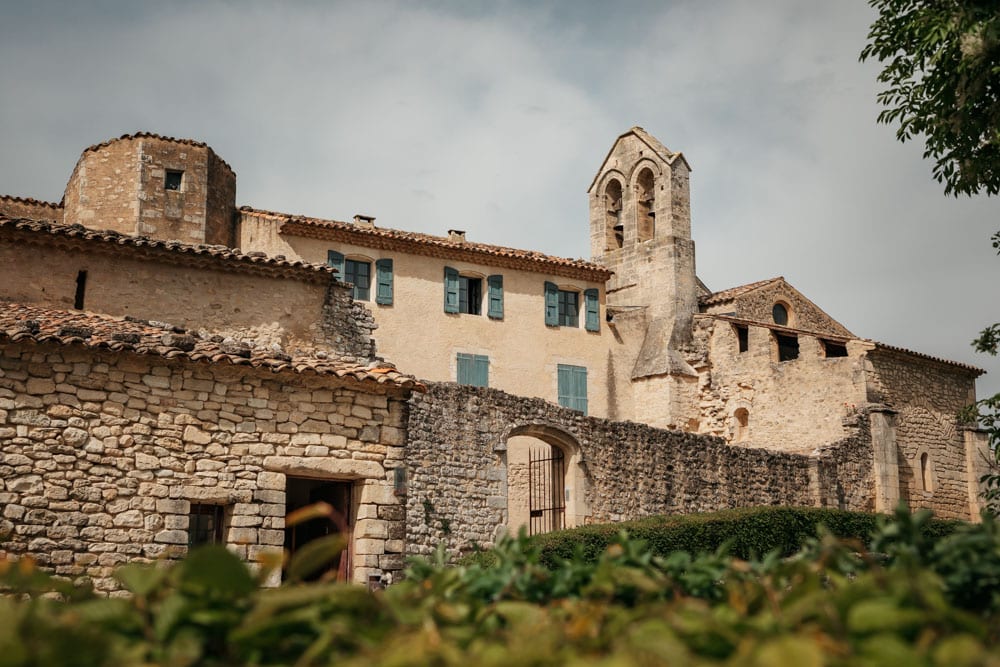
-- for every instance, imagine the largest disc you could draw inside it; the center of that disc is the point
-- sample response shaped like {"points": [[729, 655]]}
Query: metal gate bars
{"points": [[546, 490]]}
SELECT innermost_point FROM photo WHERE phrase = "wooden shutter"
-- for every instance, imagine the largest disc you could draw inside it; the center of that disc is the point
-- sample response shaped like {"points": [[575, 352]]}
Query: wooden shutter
{"points": [[551, 304], [572, 381], [472, 369], [494, 309], [383, 282], [580, 388], [593, 310], [450, 290], [336, 260]]}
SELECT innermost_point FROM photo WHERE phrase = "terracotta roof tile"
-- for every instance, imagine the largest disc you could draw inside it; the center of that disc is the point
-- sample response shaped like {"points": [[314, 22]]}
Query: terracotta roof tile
{"points": [[231, 257], [733, 292], [921, 355], [23, 322], [427, 244], [30, 201], [153, 135]]}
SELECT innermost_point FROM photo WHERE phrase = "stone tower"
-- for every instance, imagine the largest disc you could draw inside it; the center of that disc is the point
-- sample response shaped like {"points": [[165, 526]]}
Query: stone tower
{"points": [[147, 185], [640, 227]]}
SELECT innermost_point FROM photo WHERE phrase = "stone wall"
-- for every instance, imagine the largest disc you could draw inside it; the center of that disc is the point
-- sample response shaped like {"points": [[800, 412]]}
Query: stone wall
{"points": [[803, 314], [102, 454], [456, 458]]}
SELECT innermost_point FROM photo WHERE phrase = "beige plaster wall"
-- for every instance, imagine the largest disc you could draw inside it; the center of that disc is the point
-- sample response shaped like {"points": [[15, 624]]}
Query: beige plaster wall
{"points": [[524, 352], [257, 308]]}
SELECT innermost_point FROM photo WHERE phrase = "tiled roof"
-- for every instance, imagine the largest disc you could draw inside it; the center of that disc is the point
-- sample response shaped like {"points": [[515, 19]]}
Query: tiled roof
{"points": [[733, 292], [435, 246], [152, 135], [219, 255], [921, 355], [31, 202], [22, 322]]}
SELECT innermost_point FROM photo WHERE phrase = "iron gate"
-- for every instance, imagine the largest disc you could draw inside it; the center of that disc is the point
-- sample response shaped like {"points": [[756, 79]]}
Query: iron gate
{"points": [[546, 490]]}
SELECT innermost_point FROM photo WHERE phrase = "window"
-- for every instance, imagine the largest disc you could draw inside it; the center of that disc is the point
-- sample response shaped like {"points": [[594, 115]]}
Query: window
{"points": [[494, 302], [562, 307], [788, 347], [464, 294], [359, 274], [742, 337], [572, 389], [81, 290], [614, 230], [779, 313], [470, 295], [205, 524], [832, 349], [473, 369], [172, 180], [569, 308]]}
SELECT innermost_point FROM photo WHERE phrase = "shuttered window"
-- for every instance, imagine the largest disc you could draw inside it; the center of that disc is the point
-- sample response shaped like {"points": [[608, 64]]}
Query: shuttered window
{"points": [[383, 282], [551, 305], [569, 308], [494, 308], [450, 290], [473, 369], [359, 274], [573, 387], [592, 308]]}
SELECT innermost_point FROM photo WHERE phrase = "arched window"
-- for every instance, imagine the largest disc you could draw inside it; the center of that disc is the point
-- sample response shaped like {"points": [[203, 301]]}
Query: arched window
{"points": [[646, 205], [780, 315], [741, 424], [613, 215], [925, 473]]}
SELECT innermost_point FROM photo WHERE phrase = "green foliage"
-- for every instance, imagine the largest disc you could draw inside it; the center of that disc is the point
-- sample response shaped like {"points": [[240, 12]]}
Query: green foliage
{"points": [[926, 599], [941, 68]]}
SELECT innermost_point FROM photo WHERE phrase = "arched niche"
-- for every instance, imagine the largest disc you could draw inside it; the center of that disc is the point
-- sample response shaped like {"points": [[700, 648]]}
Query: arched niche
{"points": [[613, 222], [645, 210]]}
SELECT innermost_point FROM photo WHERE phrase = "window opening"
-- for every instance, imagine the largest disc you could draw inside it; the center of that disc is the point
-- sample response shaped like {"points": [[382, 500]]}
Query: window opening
{"points": [[360, 275], [569, 308], [646, 210], [742, 337], [742, 424], [205, 524], [779, 313], [925, 473], [572, 381], [470, 295], [81, 289], [172, 180], [788, 347], [473, 369], [614, 229], [832, 349], [302, 492]]}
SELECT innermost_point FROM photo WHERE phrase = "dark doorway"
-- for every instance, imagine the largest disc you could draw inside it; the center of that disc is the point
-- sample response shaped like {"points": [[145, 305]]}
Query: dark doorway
{"points": [[302, 492]]}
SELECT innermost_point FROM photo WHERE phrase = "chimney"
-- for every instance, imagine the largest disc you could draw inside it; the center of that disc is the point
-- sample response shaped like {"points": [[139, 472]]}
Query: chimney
{"points": [[456, 235], [364, 220]]}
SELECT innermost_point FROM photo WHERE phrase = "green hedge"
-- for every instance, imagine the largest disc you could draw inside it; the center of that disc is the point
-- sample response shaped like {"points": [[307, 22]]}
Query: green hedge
{"points": [[749, 532]]}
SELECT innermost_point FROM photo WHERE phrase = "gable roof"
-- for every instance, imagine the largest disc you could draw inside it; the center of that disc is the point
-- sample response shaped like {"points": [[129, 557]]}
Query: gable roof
{"points": [[23, 322], [435, 246], [657, 147], [211, 256], [733, 292]]}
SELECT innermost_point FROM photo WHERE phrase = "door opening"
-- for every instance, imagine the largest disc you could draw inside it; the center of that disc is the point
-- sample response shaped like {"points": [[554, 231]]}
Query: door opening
{"points": [[302, 492]]}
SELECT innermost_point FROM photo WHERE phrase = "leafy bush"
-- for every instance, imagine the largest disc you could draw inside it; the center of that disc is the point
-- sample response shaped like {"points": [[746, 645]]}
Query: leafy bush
{"points": [[922, 601]]}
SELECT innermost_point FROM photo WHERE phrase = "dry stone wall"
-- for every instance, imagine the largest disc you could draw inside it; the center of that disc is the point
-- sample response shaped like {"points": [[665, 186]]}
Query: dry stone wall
{"points": [[103, 454], [456, 458]]}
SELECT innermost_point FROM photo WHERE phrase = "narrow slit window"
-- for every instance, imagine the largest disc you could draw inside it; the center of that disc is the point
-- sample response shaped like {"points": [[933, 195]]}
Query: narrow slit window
{"points": [[788, 347], [81, 290], [742, 337]]}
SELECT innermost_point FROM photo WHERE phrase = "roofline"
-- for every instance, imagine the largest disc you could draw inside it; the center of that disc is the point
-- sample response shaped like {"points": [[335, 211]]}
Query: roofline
{"points": [[32, 201], [46, 232], [417, 243], [928, 357], [669, 159], [151, 135]]}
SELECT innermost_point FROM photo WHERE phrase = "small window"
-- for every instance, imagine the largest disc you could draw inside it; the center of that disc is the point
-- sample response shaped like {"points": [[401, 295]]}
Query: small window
{"points": [[788, 347], [832, 349], [360, 275], [470, 295], [742, 337], [572, 388], [780, 314], [81, 290], [473, 369], [569, 308], [172, 180], [205, 525]]}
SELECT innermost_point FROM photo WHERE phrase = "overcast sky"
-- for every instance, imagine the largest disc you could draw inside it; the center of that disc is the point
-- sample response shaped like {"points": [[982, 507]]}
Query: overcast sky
{"points": [[493, 117]]}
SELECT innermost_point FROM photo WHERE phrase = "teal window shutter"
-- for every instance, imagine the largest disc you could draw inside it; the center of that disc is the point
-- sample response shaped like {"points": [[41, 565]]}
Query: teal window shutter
{"points": [[383, 282], [336, 260], [572, 382], [495, 302], [551, 304], [473, 370], [450, 290], [593, 308]]}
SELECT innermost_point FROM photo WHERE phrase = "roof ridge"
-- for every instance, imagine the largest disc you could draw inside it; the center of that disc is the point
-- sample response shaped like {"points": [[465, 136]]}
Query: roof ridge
{"points": [[153, 135], [31, 200], [733, 292]]}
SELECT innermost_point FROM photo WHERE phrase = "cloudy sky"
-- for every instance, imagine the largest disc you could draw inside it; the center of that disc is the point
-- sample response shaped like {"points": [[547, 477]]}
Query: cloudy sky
{"points": [[493, 117]]}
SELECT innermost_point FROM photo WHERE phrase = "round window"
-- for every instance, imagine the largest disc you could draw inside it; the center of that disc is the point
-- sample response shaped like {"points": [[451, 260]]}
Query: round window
{"points": [[780, 314]]}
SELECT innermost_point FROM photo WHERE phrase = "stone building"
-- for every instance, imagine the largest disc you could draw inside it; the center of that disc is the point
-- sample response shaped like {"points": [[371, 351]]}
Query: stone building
{"points": [[175, 369]]}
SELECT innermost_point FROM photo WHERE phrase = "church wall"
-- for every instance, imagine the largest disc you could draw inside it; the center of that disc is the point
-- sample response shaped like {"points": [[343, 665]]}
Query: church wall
{"points": [[266, 310], [102, 455], [102, 192], [792, 405], [757, 305], [523, 352], [458, 477], [927, 397], [17, 207]]}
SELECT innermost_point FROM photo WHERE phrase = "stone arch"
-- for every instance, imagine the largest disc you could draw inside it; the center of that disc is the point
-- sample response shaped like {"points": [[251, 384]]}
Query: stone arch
{"points": [[571, 484], [645, 181], [613, 218]]}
